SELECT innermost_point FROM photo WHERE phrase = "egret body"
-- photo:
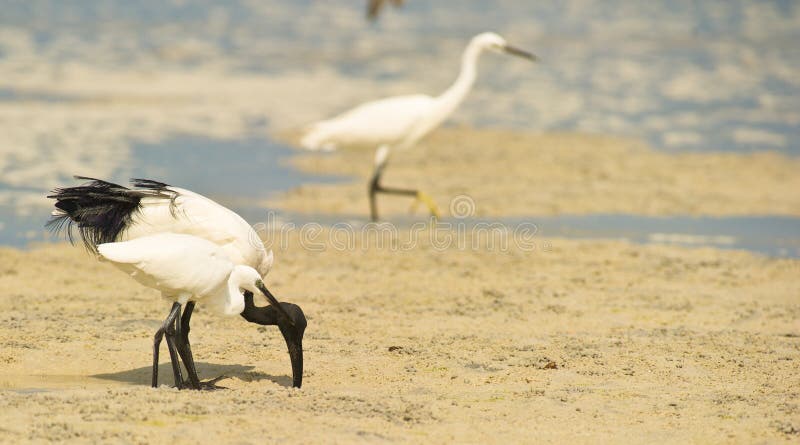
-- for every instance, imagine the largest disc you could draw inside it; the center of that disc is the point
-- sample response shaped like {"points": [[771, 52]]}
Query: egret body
{"points": [[399, 122]]}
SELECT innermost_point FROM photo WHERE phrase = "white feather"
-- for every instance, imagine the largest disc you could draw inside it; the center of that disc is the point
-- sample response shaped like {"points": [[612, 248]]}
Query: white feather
{"points": [[179, 264], [391, 121], [172, 263], [401, 121], [194, 214]]}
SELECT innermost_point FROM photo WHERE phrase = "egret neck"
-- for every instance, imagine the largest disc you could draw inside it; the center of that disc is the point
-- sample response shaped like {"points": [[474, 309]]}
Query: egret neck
{"points": [[448, 101]]}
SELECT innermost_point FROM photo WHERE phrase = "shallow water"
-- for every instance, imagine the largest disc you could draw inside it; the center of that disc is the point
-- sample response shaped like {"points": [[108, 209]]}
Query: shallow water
{"points": [[770, 235], [775, 236], [713, 75], [239, 173]]}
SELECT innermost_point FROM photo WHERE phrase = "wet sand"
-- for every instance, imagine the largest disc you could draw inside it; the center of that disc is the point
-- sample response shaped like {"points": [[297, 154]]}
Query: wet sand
{"points": [[527, 174], [579, 341]]}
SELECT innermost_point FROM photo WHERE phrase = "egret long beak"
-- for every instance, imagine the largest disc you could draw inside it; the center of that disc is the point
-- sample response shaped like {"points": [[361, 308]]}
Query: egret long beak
{"points": [[273, 301], [520, 53]]}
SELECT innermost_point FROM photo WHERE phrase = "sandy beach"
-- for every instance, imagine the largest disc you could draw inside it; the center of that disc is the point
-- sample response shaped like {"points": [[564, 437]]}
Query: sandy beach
{"points": [[633, 109], [579, 341], [525, 174]]}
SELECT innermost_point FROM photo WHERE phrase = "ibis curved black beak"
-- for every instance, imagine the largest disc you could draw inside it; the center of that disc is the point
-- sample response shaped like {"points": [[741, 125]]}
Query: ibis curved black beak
{"points": [[520, 53]]}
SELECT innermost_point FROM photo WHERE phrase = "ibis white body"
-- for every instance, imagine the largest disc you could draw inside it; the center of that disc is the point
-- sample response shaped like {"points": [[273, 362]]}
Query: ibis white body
{"points": [[194, 214], [184, 267]]}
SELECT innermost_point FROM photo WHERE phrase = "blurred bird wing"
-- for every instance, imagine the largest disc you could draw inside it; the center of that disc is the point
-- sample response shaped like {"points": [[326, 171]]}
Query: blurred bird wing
{"points": [[194, 214], [374, 7], [393, 121], [173, 263]]}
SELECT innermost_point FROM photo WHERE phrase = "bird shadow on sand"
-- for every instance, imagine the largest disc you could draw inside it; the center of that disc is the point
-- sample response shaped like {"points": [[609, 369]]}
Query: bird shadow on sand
{"points": [[256, 376], [143, 375]]}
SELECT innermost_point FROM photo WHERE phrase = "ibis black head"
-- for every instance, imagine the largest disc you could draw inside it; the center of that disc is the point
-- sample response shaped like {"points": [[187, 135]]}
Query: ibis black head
{"points": [[292, 323]]}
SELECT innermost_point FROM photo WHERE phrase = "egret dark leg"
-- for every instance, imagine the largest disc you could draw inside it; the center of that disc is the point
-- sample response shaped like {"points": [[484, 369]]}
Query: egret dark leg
{"points": [[375, 187], [184, 347], [168, 329]]}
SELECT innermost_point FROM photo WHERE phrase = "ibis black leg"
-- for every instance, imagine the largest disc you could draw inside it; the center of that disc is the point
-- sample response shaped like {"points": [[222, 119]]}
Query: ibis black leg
{"points": [[173, 355], [168, 329], [184, 348]]}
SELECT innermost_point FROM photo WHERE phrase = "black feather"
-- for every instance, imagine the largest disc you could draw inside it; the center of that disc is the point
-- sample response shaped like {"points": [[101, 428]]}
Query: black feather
{"points": [[149, 184], [158, 189], [102, 210]]}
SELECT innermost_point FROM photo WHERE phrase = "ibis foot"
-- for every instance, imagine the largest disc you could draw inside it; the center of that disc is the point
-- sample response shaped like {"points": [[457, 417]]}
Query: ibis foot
{"points": [[208, 385]]}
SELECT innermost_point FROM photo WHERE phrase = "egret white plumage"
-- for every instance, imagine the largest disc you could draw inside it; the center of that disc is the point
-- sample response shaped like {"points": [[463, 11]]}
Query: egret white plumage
{"points": [[188, 247], [400, 122]]}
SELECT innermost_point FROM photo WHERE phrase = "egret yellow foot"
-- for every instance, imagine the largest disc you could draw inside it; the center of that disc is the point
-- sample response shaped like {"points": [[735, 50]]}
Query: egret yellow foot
{"points": [[428, 201]]}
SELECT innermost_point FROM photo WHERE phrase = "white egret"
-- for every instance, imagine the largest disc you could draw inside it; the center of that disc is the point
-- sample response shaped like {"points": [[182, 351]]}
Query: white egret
{"points": [[111, 215], [400, 122]]}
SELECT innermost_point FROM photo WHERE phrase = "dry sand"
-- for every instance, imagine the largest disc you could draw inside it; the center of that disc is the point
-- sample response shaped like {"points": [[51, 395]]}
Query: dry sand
{"points": [[524, 174], [579, 341]]}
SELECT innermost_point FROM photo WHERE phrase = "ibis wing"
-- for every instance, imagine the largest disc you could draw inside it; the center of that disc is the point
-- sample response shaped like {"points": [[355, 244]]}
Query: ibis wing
{"points": [[194, 214], [105, 212], [172, 263]]}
